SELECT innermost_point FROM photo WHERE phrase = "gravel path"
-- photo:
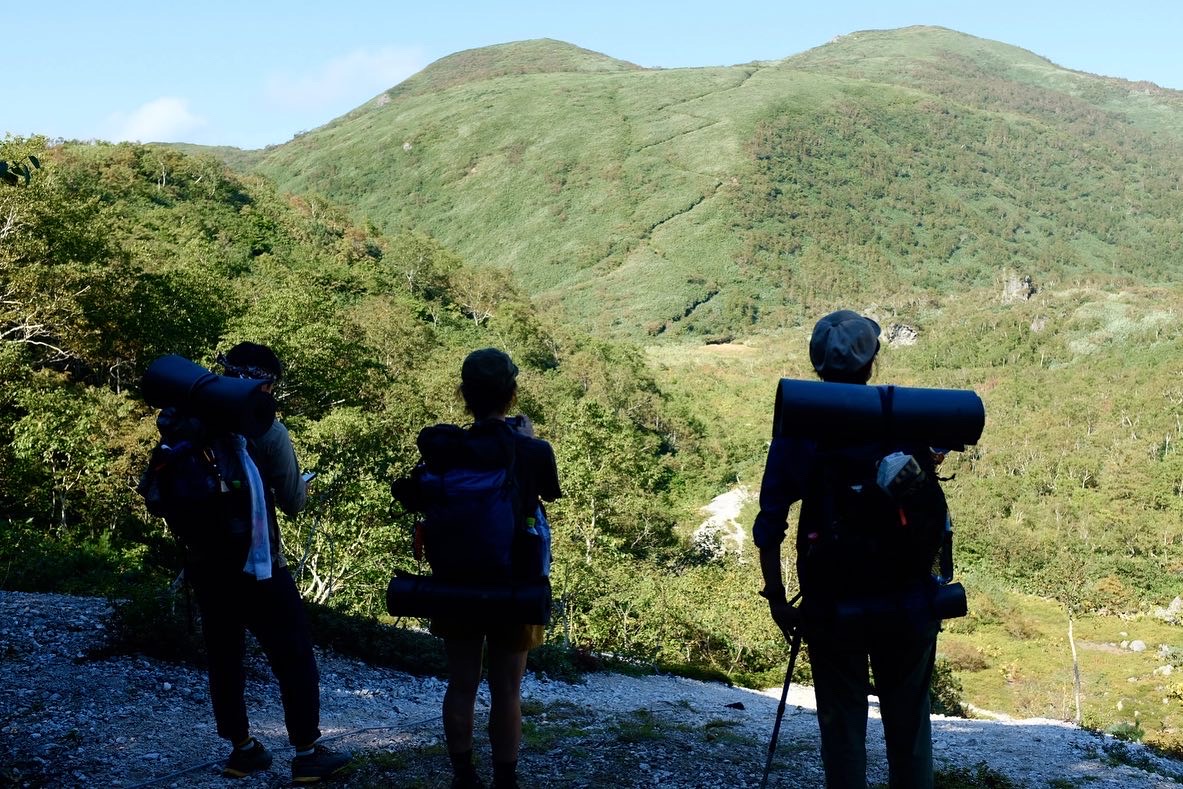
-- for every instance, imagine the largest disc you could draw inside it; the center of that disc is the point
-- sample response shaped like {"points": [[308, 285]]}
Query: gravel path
{"points": [[69, 721]]}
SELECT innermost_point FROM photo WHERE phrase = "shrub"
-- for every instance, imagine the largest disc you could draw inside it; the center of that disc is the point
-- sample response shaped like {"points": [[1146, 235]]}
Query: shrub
{"points": [[1129, 731], [945, 690], [964, 657], [154, 621], [980, 776]]}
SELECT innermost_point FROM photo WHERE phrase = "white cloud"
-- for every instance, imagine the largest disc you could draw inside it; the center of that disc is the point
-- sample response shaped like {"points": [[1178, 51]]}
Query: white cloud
{"points": [[167, 119], [353, 77]]}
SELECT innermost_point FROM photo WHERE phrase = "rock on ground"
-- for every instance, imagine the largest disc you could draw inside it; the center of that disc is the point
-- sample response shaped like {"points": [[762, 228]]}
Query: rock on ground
{"points": [[70, 721]]}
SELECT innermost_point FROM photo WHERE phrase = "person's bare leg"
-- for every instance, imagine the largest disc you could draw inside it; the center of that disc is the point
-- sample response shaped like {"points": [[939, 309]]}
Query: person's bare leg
{"points": [[464, 677], [505, 712]]}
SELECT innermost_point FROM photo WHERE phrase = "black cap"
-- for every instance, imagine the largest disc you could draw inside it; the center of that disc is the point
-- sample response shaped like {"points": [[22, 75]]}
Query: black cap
{"points": [[489, 368], [252, 360]]}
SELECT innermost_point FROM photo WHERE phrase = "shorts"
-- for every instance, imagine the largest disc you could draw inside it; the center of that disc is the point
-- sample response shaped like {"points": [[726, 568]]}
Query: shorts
{"points": [[507, 637]]}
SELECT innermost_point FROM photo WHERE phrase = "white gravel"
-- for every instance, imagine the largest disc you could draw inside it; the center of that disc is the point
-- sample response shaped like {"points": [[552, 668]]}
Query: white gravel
{"points": [[67, 721]]}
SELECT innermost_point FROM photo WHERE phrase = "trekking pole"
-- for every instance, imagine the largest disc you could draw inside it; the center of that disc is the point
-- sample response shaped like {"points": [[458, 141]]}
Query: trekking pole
{"points": [[794, 648]]}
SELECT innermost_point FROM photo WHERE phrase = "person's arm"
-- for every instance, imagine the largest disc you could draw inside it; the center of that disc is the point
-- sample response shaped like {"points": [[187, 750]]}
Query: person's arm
{"points": [[547, 473], [276, 459], [779, 489]]}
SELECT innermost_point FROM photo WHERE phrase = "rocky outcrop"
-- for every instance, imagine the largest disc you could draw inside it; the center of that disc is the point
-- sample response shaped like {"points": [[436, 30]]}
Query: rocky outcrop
{"points": [[1017, 288]]}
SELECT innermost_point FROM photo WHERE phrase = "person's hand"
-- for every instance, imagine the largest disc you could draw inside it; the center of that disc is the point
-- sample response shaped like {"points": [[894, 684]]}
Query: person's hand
{"points": [[786, 616], [522, 424]]}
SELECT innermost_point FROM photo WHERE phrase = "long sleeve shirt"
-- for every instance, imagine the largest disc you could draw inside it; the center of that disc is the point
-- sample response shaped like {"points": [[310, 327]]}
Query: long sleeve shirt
{"points": [[276, 459], [786, 475]]}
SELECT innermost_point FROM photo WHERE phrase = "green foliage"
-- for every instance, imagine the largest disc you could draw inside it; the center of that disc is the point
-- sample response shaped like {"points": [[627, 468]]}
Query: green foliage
{"points": [[1121, 751], [379, 643], [34, 559], [642, 726], [945, 691], [153, 620], [171, 253], [1130, 731], [980, 776]]}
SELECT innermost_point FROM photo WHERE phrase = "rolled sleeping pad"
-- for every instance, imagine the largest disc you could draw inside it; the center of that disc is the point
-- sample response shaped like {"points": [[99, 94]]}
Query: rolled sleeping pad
{"points": [[947, 418], [424, 596], [236, 404]]}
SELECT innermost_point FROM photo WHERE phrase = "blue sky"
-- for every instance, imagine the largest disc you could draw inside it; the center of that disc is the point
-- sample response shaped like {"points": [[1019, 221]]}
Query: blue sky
{"points": [[254, 72]]}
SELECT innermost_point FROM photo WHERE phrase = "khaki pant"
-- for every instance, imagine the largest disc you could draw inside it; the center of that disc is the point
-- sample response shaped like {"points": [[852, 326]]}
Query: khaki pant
{"points": [[902, 666]]}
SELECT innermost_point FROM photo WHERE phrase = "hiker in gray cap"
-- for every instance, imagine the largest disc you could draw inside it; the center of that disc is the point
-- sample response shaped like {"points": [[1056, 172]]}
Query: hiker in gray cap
{"points": [[843, 347], [859, 606]]}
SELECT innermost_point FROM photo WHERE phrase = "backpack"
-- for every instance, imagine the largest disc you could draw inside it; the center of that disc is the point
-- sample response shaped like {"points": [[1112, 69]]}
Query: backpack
{"points": [[860, 540], [195, 481], [473, 528]]}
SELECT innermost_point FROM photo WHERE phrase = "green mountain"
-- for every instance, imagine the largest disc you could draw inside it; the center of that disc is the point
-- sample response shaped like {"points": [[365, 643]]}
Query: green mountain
{"points": [[720, 201]]}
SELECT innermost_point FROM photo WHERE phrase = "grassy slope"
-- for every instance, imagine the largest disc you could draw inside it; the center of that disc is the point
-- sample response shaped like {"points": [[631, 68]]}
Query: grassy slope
{"points": [[660, 200], [1077, 477]]}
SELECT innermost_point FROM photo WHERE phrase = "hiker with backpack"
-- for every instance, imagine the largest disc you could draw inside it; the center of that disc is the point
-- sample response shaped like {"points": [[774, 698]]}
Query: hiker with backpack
{"points": [[218, 491], [485, 536], [864, 563]]}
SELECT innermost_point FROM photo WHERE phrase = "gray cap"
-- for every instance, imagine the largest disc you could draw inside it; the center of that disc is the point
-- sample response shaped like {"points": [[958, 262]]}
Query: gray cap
{"points": [[843, 343]]}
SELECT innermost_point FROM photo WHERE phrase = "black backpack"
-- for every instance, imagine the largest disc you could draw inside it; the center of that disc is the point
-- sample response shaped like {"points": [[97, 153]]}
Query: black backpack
{"points": [[195, 481], [860, 542]]}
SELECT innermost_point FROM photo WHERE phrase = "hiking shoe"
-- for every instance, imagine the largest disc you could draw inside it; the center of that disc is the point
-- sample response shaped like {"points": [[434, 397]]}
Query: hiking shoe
{"points": [[246, 761], [467, 779], [319, 764]]}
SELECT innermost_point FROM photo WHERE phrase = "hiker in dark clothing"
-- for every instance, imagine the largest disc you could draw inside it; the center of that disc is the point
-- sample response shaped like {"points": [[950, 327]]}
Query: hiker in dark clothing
{"points": [[489, 389], [901, 647], [236, 594]]}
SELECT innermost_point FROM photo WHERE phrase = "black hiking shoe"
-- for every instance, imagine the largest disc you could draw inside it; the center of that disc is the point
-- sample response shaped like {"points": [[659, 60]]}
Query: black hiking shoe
{"points": [[243, 762], [467, 779], [318, 765]]}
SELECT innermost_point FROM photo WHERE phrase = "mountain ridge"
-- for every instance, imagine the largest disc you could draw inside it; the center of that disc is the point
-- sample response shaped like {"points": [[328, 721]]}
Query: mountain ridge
{"points": [[718, 201]]}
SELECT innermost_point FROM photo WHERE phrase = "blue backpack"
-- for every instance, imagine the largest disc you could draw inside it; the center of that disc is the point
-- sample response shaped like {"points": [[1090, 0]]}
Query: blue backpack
{"points": [[474, 529]]}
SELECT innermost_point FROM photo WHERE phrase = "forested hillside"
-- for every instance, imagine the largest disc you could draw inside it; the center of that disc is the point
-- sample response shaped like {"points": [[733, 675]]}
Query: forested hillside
{"points": [[113, 255], [720, 201], [1013, 225]]}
